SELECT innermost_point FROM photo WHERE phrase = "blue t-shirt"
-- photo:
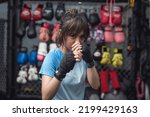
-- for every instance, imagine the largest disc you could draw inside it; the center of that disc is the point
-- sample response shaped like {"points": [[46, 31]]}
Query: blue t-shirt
{"points": [[73, 85]]}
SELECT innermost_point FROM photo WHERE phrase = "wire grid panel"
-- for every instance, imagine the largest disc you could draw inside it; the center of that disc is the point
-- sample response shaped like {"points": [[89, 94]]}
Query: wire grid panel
{"points": [[3, 56], [32, 88]]}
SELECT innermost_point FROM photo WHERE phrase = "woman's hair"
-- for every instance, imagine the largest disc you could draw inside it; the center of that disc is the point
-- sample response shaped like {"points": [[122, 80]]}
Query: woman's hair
{"points": [[72, 24]]}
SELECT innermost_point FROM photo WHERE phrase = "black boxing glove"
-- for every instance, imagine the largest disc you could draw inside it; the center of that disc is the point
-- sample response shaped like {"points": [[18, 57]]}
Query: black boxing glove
{"points": [[31, 32], [93, 17], [87, 56], [48, 12], [67, 64], [22, 29], [60, 11], [83, 12]]}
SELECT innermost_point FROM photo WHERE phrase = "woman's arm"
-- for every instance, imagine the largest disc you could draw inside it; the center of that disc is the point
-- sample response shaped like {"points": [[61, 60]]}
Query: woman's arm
{"points": [[93, 77], [49, 87]]}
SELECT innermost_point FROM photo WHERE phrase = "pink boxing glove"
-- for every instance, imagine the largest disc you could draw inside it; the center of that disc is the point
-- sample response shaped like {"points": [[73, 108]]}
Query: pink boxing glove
{"points": [[44, 34], [119, 35], [55, 32], [42, 51], [108, 34]]}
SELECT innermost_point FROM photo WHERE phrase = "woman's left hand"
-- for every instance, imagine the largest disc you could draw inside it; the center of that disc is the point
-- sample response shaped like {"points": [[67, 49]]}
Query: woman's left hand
{"points": [[77, 51]]}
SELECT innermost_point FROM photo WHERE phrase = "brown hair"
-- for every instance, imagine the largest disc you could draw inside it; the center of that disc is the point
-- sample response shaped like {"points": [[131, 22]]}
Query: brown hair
{"points": [[72, 24]]}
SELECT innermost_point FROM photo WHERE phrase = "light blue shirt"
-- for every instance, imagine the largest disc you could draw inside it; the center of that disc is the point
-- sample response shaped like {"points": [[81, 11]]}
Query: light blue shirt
{"points": [[73, 85]]}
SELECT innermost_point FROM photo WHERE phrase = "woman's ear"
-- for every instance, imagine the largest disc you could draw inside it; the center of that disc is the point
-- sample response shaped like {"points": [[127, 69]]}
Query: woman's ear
{"points": [[59, 31]]}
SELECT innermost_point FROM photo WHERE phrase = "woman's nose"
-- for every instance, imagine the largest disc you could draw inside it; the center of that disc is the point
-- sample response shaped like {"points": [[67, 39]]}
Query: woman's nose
{"points": [[78, 39]]}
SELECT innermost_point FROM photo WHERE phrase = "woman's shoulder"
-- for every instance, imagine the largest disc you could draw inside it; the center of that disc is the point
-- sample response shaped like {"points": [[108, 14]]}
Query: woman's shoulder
{"points": [[56, 53]]}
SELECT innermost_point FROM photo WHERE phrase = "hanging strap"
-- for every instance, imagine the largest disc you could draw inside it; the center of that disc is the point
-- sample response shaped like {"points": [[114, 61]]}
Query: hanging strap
{"points": [[110, 13], [139, 88]]}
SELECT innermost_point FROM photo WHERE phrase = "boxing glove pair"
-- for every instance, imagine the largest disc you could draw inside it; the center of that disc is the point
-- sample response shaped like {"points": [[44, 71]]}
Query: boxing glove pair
{"points": [[23, 57], [26, 12], [117, 36], [111, 14], [117, 59], [31, 31]]}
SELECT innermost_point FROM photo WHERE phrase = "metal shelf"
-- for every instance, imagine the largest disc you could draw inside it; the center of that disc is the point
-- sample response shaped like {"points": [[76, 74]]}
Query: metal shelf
{"points": [[80, 0]]}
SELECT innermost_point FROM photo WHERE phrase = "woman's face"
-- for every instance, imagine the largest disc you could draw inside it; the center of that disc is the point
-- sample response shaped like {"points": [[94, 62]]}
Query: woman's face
{"points": [[72, 39]]}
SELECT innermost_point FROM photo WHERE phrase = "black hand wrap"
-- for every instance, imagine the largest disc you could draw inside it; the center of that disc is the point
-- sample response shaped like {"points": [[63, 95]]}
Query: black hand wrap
{"points": [[66, 65], [87, 56]]}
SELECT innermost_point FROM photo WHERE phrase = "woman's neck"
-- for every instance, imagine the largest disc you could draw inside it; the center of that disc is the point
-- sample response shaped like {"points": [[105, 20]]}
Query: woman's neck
{"points": [[63, 49]]}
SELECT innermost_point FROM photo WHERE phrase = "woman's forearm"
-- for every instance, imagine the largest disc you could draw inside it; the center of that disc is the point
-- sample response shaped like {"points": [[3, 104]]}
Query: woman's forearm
{"points": [[49, 87], [93, 77]]}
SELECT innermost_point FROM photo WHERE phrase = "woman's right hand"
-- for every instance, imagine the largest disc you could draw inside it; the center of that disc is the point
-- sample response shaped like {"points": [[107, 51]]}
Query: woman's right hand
{"points": [[77, 51]]}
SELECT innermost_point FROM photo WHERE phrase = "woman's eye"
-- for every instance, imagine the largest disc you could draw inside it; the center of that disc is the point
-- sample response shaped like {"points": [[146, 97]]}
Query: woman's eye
{"points": [[82, 38], [73, 36]]}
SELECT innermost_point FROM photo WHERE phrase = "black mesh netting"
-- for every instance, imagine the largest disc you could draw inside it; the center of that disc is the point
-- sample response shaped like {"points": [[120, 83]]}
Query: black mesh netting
{"points": [[3, 56]]}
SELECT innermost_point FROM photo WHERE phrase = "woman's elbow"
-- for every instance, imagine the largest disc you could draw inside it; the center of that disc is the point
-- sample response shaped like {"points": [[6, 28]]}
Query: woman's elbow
{"points": [[96, 86], [44, 97]]}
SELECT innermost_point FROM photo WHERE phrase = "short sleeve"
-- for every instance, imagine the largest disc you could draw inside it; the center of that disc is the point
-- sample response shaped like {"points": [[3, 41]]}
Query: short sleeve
{"points": [[51, 63]]}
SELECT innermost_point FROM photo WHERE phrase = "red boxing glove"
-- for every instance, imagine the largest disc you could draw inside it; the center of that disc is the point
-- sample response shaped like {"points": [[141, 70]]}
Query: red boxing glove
{"points": [[104, 13], [117, 15], [25, 12], [37, 13]]}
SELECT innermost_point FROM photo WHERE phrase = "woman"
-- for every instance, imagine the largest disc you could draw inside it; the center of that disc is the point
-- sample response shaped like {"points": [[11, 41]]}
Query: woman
{"points": [[65, 69]]}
